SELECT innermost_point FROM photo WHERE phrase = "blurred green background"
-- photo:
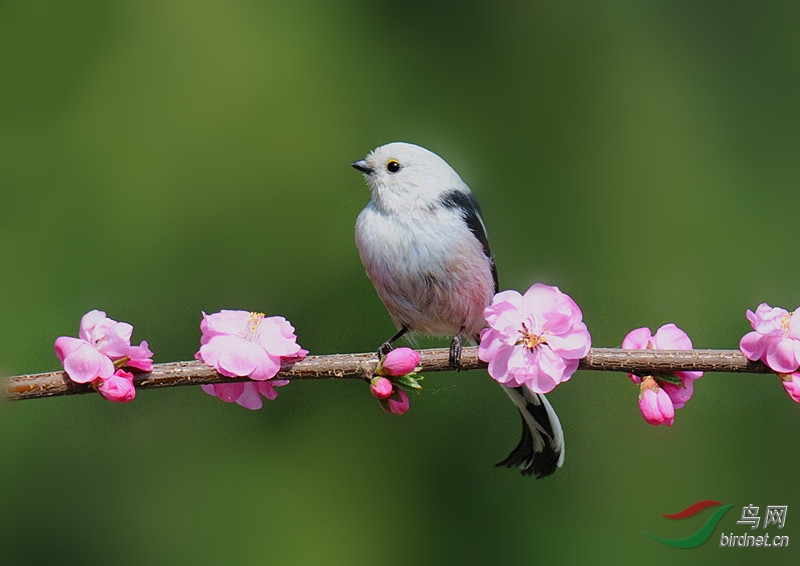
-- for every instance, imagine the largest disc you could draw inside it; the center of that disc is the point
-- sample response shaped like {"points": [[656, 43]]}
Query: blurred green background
{"points": [[159, 158]]}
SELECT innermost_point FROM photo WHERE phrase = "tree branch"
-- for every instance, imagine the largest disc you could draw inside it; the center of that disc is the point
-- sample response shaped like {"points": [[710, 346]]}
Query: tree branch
{"points": [[362, 366]]}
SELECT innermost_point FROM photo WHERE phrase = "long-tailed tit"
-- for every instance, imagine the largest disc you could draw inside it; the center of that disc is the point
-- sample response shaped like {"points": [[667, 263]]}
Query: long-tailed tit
{"points": [[423, 243]]}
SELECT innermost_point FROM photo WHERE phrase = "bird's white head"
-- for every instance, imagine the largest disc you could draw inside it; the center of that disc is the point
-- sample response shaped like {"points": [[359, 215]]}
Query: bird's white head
{"points": [[403, 175]]}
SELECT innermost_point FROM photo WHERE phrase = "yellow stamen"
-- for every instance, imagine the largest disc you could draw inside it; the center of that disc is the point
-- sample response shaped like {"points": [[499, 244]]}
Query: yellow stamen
{"points": [[785, 320], [531, 340], [253, 322]]}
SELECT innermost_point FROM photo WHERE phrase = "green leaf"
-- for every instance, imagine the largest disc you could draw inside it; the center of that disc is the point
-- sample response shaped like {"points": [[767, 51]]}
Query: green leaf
{"points": [[409, 382], [669, 378]]}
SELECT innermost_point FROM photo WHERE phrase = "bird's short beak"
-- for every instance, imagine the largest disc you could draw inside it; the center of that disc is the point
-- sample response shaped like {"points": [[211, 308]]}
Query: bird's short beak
{"points": [[362, 166]]}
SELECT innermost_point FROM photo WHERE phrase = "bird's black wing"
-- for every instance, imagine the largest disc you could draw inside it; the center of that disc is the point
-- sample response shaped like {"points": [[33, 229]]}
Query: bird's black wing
{"points": [[471, 211]]}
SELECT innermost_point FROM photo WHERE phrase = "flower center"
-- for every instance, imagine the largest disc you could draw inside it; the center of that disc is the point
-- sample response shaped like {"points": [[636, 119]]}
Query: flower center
{"points": [[530, 340], [253, 322], [785, 320]]}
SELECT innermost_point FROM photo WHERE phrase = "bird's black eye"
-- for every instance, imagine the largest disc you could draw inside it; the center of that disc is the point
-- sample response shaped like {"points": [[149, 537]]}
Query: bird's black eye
{"points": [[393, 166]]}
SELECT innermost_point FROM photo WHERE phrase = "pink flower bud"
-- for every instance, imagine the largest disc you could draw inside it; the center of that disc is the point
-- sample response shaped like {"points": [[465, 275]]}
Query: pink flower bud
{"points": [[655, 404], [381, 387], [397, 403], [399, 362], [791, 383], [118, 388]]}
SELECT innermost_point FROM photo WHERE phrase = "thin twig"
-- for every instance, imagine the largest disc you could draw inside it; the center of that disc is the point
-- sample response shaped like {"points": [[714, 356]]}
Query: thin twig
{"points": [[360, 366]]}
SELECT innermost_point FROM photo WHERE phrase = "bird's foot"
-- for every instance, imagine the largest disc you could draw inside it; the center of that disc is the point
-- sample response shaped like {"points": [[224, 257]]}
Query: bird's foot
{"points": [[385, 348], [455, 353]]}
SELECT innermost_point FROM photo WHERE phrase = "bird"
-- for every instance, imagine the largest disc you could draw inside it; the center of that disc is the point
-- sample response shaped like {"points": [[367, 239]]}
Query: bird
{"points": [[424, 245]]}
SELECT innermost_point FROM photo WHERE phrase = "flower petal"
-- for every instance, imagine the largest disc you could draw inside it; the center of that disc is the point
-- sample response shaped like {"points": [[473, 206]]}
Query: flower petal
{"points": [[793, 330], [679, 395], [268, 388], [66, 345], [551, 371], [498, 365], [540, 298], [89, 322], [140, 357], [505, 313], [576, 344], [229, 392], [115, 341], [638, 339], [241, 357], [250, 397], [670, 337], [85, 364], [490, 344], [267, 366], [276, 335], [230, 355], [226, 322], [782, 356], [753, 345]]}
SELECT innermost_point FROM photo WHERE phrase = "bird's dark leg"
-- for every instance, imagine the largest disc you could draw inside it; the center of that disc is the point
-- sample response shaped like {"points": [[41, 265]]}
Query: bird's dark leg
{"points": [[455, 351], [386, 347]]}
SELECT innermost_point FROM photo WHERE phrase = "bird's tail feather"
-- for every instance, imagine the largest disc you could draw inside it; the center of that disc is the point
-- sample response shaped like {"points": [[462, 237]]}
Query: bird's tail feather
{"points": [[541, 449]]}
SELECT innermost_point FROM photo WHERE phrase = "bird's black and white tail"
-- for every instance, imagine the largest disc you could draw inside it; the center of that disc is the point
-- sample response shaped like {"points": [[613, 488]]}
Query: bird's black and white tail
{"points": [[541, 449]]}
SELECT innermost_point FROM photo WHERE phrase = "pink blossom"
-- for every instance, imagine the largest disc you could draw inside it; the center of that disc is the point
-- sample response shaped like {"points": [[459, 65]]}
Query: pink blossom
{"points": [[98, 354], [381, 387], [655, 404], [536, 339], [247, 393], [668, 337], [658, 397], [791, 383], [397, 403], [118, 388], [400, 361], [247, 344], [775, 339]]}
